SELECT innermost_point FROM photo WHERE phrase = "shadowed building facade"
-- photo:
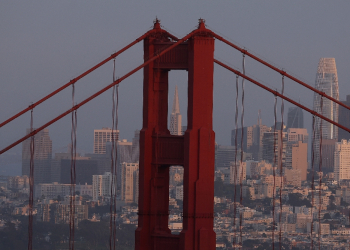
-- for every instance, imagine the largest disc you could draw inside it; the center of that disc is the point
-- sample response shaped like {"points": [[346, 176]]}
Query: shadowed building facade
{"points": [[344, 119], [42, 157], [295, 118]]}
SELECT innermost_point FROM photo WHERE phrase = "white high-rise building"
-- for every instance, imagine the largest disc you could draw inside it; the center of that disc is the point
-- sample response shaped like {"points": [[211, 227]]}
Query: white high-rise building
{"points": [[327, 82], [101, 136], [175, 117], [342, 160], [101, 185]]}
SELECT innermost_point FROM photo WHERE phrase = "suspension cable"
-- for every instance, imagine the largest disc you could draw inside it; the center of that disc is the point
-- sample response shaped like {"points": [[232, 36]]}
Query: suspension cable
{"points": [[281, 166], [241, 161], [235, 162], [114, 55], [280, 95], [101, 91], [243, 50], [73, 174], [31, 185], [274, 173]]}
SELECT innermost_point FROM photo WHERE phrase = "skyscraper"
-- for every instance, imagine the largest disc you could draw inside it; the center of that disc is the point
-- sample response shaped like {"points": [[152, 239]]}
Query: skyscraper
{"points": [[296, 151], [327, 82], [101, 136], [42, 157], [344, 119], [175, 117], [342, 160], [252, 139], [129, 179], [101, 185], [295, 118], [224, 155], [274, 146]]}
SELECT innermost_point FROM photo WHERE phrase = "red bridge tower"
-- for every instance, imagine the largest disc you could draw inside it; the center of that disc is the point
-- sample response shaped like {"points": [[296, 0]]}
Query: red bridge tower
{"points": [[194, 151]]}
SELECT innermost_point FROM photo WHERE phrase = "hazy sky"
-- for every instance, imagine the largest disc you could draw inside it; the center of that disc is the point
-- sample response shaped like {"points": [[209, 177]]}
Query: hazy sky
{"points": [[44, 44]]}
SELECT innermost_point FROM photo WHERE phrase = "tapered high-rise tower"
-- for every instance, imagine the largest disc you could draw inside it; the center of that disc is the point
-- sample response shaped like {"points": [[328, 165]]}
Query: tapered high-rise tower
{"points": [[327, 82], [175, 117]]}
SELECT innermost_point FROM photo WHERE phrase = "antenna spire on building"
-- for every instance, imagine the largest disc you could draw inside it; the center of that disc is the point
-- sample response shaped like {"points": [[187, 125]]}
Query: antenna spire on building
{"points": [[259, 117]]}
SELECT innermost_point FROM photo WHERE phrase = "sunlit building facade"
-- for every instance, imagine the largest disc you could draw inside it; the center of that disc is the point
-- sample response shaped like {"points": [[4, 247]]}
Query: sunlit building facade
{"points": [[342, 160], [101, 136]]}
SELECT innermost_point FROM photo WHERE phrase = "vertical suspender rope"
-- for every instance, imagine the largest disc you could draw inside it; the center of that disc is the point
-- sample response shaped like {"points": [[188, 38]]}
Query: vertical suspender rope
{"points": [[112, 173], [31, 185], [274, 174], [235, 162], [72, 174], [281, 166], [312, 178], [241, 161], [111, 222], [320, 179], [115, 167], [113, 187]]}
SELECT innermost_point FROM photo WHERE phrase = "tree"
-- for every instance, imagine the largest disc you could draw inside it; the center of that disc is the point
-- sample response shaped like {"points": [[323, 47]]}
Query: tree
{"points": [[295, 199], [331, 206], [327, 216], [219, 187]]}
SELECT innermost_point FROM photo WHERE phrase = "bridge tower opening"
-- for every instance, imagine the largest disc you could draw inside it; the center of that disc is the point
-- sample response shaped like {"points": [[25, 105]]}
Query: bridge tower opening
{"points": [[194, 150]]}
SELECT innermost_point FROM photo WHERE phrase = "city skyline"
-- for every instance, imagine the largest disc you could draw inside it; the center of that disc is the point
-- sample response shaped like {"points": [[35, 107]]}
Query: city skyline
{"points": [[299, 57], [270, 189]]}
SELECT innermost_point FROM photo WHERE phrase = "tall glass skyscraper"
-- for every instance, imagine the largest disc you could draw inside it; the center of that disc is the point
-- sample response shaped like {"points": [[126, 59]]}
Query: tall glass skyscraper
{"points": [[295, 118], [327, 82]]}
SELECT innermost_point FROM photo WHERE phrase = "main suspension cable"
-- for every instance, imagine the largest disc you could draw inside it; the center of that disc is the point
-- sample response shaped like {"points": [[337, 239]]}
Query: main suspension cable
{"points": [[101, 91], [114, 55], [243, 50], [280, 95]]}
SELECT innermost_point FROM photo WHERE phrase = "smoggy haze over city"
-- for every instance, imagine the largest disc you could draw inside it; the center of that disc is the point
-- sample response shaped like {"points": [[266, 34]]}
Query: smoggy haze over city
{"points": [[46, 44]]}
